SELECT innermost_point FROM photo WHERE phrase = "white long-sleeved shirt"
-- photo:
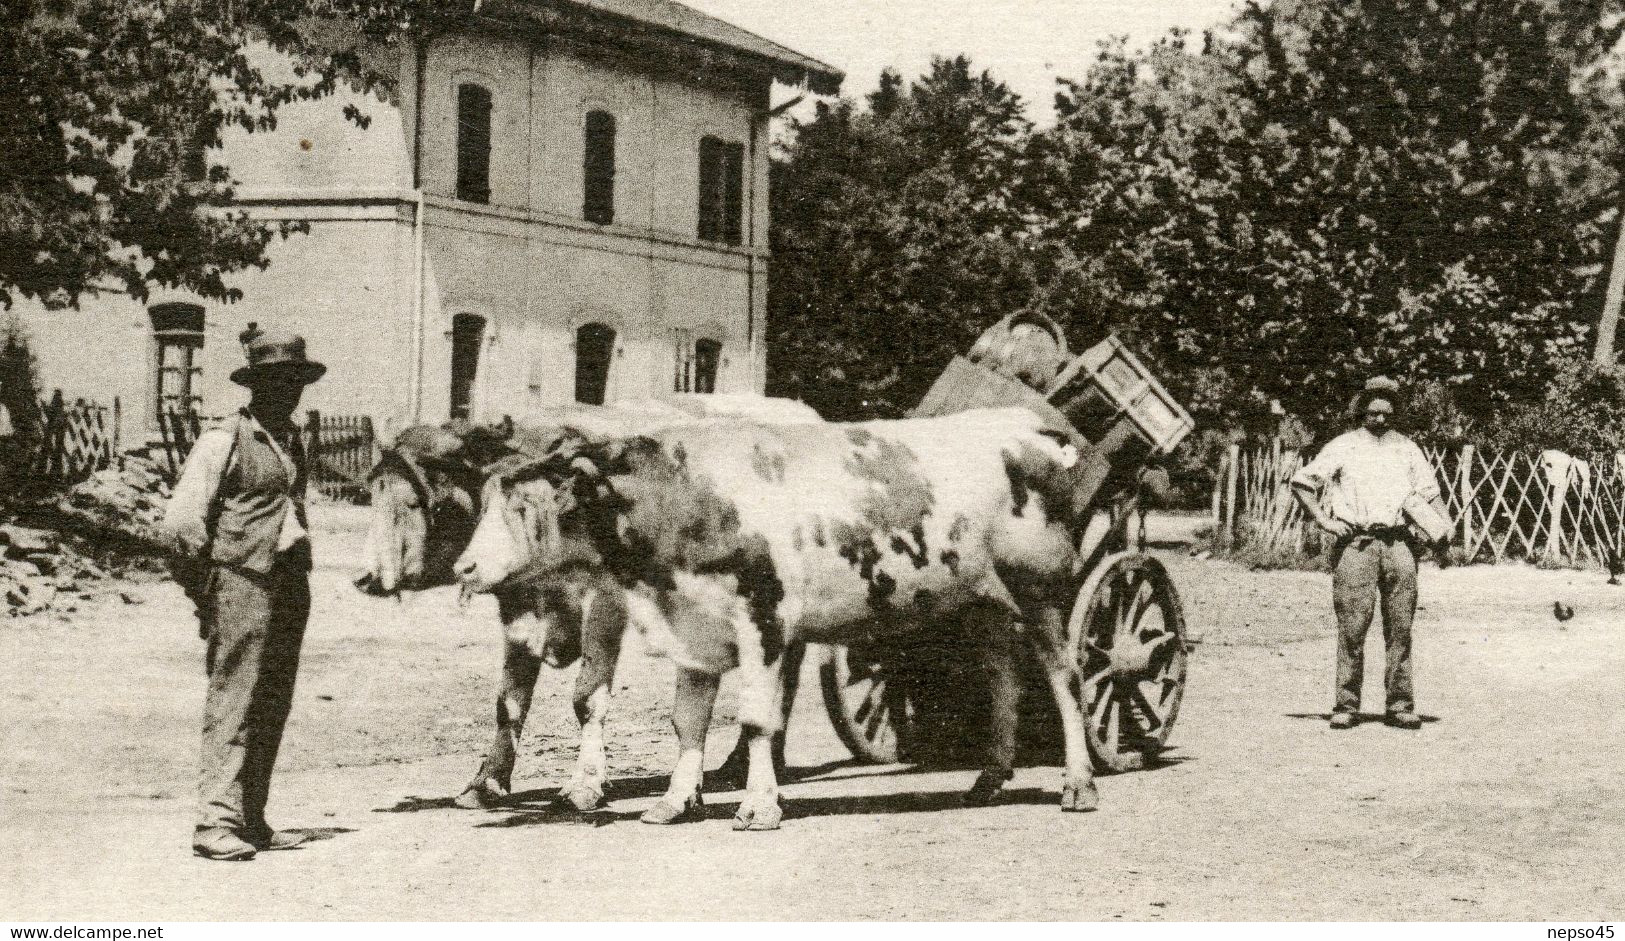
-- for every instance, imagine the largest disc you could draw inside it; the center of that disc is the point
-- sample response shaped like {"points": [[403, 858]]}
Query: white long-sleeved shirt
{"points": [[1366, 478], [186, 516]]}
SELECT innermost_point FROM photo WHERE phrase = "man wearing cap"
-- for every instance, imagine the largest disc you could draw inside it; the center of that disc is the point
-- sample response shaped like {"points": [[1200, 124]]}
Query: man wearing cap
{"points": [[1369, 476], [237, 517]]}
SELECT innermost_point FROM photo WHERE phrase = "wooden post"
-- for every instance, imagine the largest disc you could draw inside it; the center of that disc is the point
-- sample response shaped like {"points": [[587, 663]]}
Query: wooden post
{"points": [[1557, 494], [118, 433], [1602, 353], [1464, 497], [1232, 468], [313, 448], [1218, 495]]}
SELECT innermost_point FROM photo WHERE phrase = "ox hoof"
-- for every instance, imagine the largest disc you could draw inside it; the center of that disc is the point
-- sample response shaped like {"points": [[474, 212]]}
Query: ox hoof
{"points": [[481, 795], [759, 813], [667, 811], [1079, 796], [987, 787], [584, 797]]}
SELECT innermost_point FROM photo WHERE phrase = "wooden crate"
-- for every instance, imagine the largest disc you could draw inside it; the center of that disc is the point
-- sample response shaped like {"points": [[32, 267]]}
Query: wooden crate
{"points": [[1107, 384]]}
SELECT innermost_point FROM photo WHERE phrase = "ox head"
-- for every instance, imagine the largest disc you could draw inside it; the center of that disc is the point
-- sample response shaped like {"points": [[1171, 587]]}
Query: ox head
{"points": [[542, 515], [425, 501]]}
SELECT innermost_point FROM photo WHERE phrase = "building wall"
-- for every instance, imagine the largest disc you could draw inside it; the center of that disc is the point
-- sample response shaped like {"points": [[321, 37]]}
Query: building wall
{"points": [[527, 262], [337, 286]]}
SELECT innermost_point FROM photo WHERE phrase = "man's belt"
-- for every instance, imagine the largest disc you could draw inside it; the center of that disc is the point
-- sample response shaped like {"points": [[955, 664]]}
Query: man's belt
{"points": [[1364, 535]]}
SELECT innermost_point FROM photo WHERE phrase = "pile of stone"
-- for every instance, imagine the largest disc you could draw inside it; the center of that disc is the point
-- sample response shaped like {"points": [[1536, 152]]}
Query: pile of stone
{"points": [[71, 550], [120, 505], [39, 573]]}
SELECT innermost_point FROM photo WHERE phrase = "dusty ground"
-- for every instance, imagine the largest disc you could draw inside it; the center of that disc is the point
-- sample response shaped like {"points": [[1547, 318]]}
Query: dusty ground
{"points": [[1506, 805]]}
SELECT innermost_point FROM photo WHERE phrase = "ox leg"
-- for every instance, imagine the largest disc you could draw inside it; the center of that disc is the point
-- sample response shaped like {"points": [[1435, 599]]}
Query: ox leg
{"points": [[691, 719], [600, 650], [761, 809], [495, 778], [735, 770], [1047, 634], [763, 707], [1004, 703]]}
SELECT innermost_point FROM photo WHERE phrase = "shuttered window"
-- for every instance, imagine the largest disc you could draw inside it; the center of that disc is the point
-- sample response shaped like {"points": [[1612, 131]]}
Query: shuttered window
{"points": [[697, 362], [473, 143], [598, 169], [595, 346], [177, 331], [722, 190], [467, 336]]}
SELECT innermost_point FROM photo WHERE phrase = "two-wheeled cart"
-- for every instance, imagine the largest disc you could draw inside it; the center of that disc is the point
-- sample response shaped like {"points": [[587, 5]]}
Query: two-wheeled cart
{"points": [[908, 700]]}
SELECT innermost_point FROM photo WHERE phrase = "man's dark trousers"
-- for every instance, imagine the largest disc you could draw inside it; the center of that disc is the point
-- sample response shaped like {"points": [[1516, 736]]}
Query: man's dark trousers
{"points": [[255, 626], [1367, 570]]}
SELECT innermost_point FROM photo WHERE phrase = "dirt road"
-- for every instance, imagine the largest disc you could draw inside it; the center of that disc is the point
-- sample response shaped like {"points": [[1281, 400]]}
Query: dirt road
{"points": [[1506, 805]]}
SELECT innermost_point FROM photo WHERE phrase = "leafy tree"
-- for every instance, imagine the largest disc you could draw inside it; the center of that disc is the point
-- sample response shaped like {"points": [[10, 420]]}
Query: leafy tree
{"points": [[1343, 188], [897, 239], [112, 108]]}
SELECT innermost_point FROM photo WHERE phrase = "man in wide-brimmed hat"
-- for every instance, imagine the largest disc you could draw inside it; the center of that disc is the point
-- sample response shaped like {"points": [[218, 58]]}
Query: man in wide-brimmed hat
{"points": [[238, 520], [1377, 485]]}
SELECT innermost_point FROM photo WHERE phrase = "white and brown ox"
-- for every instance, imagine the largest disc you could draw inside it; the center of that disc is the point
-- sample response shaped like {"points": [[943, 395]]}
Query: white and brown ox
{"points": [[426, 493], [736, 543]]}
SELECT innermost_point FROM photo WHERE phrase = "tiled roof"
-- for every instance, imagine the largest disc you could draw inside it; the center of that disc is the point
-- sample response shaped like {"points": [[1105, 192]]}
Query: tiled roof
{"points": [[675, 17]]}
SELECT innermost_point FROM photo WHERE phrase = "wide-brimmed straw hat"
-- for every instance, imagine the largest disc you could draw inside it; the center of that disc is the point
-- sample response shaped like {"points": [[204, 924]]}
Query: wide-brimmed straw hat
{"points": [[276, 354]]}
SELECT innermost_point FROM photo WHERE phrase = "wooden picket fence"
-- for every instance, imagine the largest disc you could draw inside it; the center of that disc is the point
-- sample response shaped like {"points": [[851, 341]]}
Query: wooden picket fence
{"points": [[341, 450], [178, 432], [1504, 506], [75, 440]]}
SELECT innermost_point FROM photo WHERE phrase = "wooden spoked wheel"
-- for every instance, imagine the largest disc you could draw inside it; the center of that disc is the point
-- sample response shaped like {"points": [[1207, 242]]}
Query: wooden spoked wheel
{"points": [[1128, 634], [868, 702]]}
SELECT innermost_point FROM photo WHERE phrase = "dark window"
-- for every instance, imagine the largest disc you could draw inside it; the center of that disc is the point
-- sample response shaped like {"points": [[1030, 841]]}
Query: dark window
{"points": [[467, 334], [177, 331], [473, 143], [707, 356], [598, 200], [722, 190], [595, 344], [697, 362]]}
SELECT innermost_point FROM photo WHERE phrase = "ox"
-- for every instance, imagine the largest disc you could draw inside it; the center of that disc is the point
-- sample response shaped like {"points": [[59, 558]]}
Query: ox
{"points": [[734, 544], [425, 500]]}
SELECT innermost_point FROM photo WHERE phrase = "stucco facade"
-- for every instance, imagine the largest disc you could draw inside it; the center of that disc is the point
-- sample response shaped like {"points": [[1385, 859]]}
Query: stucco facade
{"points": [[393, 256]]}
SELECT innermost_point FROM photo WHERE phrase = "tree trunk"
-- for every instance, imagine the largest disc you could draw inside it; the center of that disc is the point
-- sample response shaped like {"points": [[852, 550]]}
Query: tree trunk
{"points": [[1603, 353]]}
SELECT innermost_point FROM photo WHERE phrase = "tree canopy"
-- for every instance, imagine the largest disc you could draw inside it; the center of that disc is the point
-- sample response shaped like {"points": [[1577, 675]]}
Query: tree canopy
{"points": [[1320, 191], [113, 107], [896, 238]]}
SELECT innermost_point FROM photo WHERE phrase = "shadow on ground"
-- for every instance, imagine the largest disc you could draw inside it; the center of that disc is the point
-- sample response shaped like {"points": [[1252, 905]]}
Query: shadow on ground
{"points": [[1360, 718]]}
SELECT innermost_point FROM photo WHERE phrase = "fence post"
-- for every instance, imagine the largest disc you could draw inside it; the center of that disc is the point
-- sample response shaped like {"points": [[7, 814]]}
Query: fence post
{"points": [[1232, 468], [1464, 496], [313, 447], [118, 433], [1557, 494], [1218, 495]]}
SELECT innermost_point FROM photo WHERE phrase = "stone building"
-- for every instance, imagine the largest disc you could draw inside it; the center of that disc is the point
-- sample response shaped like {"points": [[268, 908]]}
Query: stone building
{"points": [[567, 202]]}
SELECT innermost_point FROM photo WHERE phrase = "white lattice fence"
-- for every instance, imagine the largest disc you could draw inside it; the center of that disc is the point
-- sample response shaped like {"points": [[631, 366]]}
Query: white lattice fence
{"points": [[1505, 506]]}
